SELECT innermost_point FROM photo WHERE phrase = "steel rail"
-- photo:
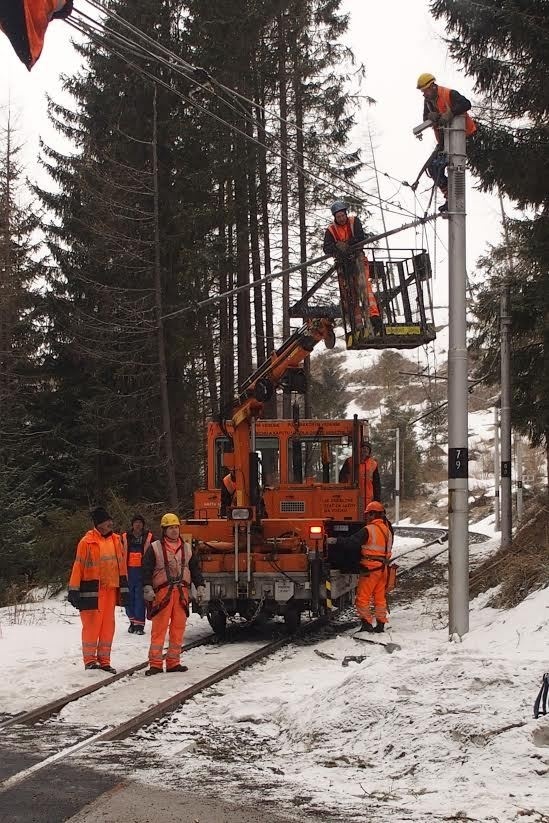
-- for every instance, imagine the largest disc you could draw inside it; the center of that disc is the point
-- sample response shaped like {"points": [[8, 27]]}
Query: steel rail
{"points": [[54, 706]]}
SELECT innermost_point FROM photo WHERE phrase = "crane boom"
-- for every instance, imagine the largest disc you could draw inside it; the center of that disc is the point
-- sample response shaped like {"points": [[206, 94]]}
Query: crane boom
{"points": [[260, 387]]}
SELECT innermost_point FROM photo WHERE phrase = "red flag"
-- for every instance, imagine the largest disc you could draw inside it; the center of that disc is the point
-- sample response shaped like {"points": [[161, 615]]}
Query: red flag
{"points": [[25, 23]]}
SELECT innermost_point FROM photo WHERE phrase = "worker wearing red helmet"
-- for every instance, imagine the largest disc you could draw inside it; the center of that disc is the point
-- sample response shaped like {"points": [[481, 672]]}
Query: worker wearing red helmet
{"points": [[440, 106], [375, 542]]}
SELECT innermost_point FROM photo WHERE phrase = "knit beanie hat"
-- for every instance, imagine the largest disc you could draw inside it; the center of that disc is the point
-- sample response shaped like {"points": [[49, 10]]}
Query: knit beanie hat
{"points": [[100, 515]]}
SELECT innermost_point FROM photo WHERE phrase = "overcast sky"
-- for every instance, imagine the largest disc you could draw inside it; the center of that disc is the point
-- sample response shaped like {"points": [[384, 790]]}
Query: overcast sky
{"points": [[395, 39]]}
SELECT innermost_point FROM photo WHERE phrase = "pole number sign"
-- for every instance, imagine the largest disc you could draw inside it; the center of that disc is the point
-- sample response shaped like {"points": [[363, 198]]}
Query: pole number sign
{"points": [[458, 463]]}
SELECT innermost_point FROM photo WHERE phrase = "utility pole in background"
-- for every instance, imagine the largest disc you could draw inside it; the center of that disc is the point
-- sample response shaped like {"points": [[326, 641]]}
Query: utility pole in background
{"points": [[496, 470], [505, 332], [458, 454]]}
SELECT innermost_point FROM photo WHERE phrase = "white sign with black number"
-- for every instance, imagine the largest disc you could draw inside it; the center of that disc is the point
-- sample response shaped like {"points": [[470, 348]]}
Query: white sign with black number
{"points": [[284, 589]]}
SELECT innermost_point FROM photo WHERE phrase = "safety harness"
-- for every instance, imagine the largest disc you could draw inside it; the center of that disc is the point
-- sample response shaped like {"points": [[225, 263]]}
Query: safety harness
{"points": [[541, 699], [169, 584]]}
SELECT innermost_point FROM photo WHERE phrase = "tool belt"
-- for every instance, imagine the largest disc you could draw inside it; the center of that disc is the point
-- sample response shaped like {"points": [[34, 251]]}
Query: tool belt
{"points": [[154, 608]]}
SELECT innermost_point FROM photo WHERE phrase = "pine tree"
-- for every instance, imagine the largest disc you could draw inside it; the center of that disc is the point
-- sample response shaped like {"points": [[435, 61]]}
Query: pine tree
{"points": [[111, 198], [23, 481], [504, 46]]}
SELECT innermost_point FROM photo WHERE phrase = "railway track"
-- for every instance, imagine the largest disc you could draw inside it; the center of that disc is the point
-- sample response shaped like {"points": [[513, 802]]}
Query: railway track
{"points": [[39, 748], [36, 745]]}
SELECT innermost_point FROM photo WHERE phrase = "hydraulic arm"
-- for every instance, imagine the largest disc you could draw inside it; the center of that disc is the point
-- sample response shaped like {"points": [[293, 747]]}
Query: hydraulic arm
{"points": [[278, 370]]}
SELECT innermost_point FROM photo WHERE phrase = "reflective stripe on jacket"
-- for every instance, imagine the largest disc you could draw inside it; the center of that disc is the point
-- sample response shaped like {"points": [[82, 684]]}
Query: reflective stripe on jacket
{"points": [[134, 558], [376, 552], [85, 572]]}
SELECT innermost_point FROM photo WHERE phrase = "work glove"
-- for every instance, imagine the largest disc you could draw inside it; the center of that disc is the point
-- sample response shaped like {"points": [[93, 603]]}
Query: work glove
{"points": [[148, 593], [433, 116], [342, 246], [446, 118], [200, 593], [74, 599]]}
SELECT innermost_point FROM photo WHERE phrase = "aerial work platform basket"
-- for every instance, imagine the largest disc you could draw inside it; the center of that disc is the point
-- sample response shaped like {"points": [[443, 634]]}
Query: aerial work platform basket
{"points": [[385, 299]]}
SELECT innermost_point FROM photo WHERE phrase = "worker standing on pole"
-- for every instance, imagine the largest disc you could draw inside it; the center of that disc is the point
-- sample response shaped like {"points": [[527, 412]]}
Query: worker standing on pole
{"points": [[440, 106]]}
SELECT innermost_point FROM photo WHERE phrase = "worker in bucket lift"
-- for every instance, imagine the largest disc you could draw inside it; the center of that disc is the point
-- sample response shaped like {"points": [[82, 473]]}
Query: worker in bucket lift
{"points": [[169, 568], [375, 542], [369, 480], [440, 106], [228, 493], [338, 240]]}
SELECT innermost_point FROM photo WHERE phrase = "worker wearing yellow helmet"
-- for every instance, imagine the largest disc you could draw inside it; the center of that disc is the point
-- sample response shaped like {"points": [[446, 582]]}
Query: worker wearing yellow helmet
{"points": [[169, 568], [440, 105]]}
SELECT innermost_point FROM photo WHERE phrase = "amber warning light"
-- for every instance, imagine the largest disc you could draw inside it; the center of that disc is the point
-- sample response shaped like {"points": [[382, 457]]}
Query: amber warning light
{"points": [[315, 531]]}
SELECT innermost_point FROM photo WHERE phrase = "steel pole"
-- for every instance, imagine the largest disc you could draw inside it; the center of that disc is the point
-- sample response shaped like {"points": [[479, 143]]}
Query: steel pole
{"points": [[458, 456], [397, 475], [505, 332], [518, 458], [496, 470]]}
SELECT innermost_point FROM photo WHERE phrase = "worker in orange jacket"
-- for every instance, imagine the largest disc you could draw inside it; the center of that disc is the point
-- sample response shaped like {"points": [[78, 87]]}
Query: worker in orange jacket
{"points": [[169, 568], [136, 541], [353, 266], [98, 583], [440, 106], [369, 480], [228, 493], [375, 541]]}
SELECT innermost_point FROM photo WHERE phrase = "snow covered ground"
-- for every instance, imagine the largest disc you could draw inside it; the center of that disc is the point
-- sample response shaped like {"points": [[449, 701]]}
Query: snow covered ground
{"points": [[436, 731]]}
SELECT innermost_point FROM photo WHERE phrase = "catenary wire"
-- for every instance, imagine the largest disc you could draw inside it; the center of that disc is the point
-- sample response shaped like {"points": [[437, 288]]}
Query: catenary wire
{"points": [[191, 75]]}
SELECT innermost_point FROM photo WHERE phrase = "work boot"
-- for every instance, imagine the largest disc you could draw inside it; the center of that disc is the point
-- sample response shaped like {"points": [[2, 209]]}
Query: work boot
{"points": [[443, 208], [379, 627], [178, 668], [138, 630], [93, 665], [107, 668], [153, 670], [131, 628], [377, 325], [366, 627]]}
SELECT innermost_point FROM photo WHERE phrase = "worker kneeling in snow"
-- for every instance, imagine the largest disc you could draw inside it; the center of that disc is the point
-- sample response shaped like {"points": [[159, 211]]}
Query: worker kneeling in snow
{"points": [[169, 568]]}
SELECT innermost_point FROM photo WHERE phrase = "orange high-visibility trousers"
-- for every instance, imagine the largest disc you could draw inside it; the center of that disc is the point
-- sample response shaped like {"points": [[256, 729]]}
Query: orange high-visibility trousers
{"points": [[172, 617], [98, 629], [371, 600]]}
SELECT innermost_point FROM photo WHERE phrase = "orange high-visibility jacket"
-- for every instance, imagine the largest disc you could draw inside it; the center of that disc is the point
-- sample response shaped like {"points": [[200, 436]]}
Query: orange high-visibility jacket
{"points": [[134, 559], [367, 471], [345, 232], [443, 104], [85, 571], [376, 552]]}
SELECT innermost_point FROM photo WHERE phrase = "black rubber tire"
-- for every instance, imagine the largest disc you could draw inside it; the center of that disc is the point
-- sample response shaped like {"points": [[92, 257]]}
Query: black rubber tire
{"points": [[292, 619], [218, 621]]}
